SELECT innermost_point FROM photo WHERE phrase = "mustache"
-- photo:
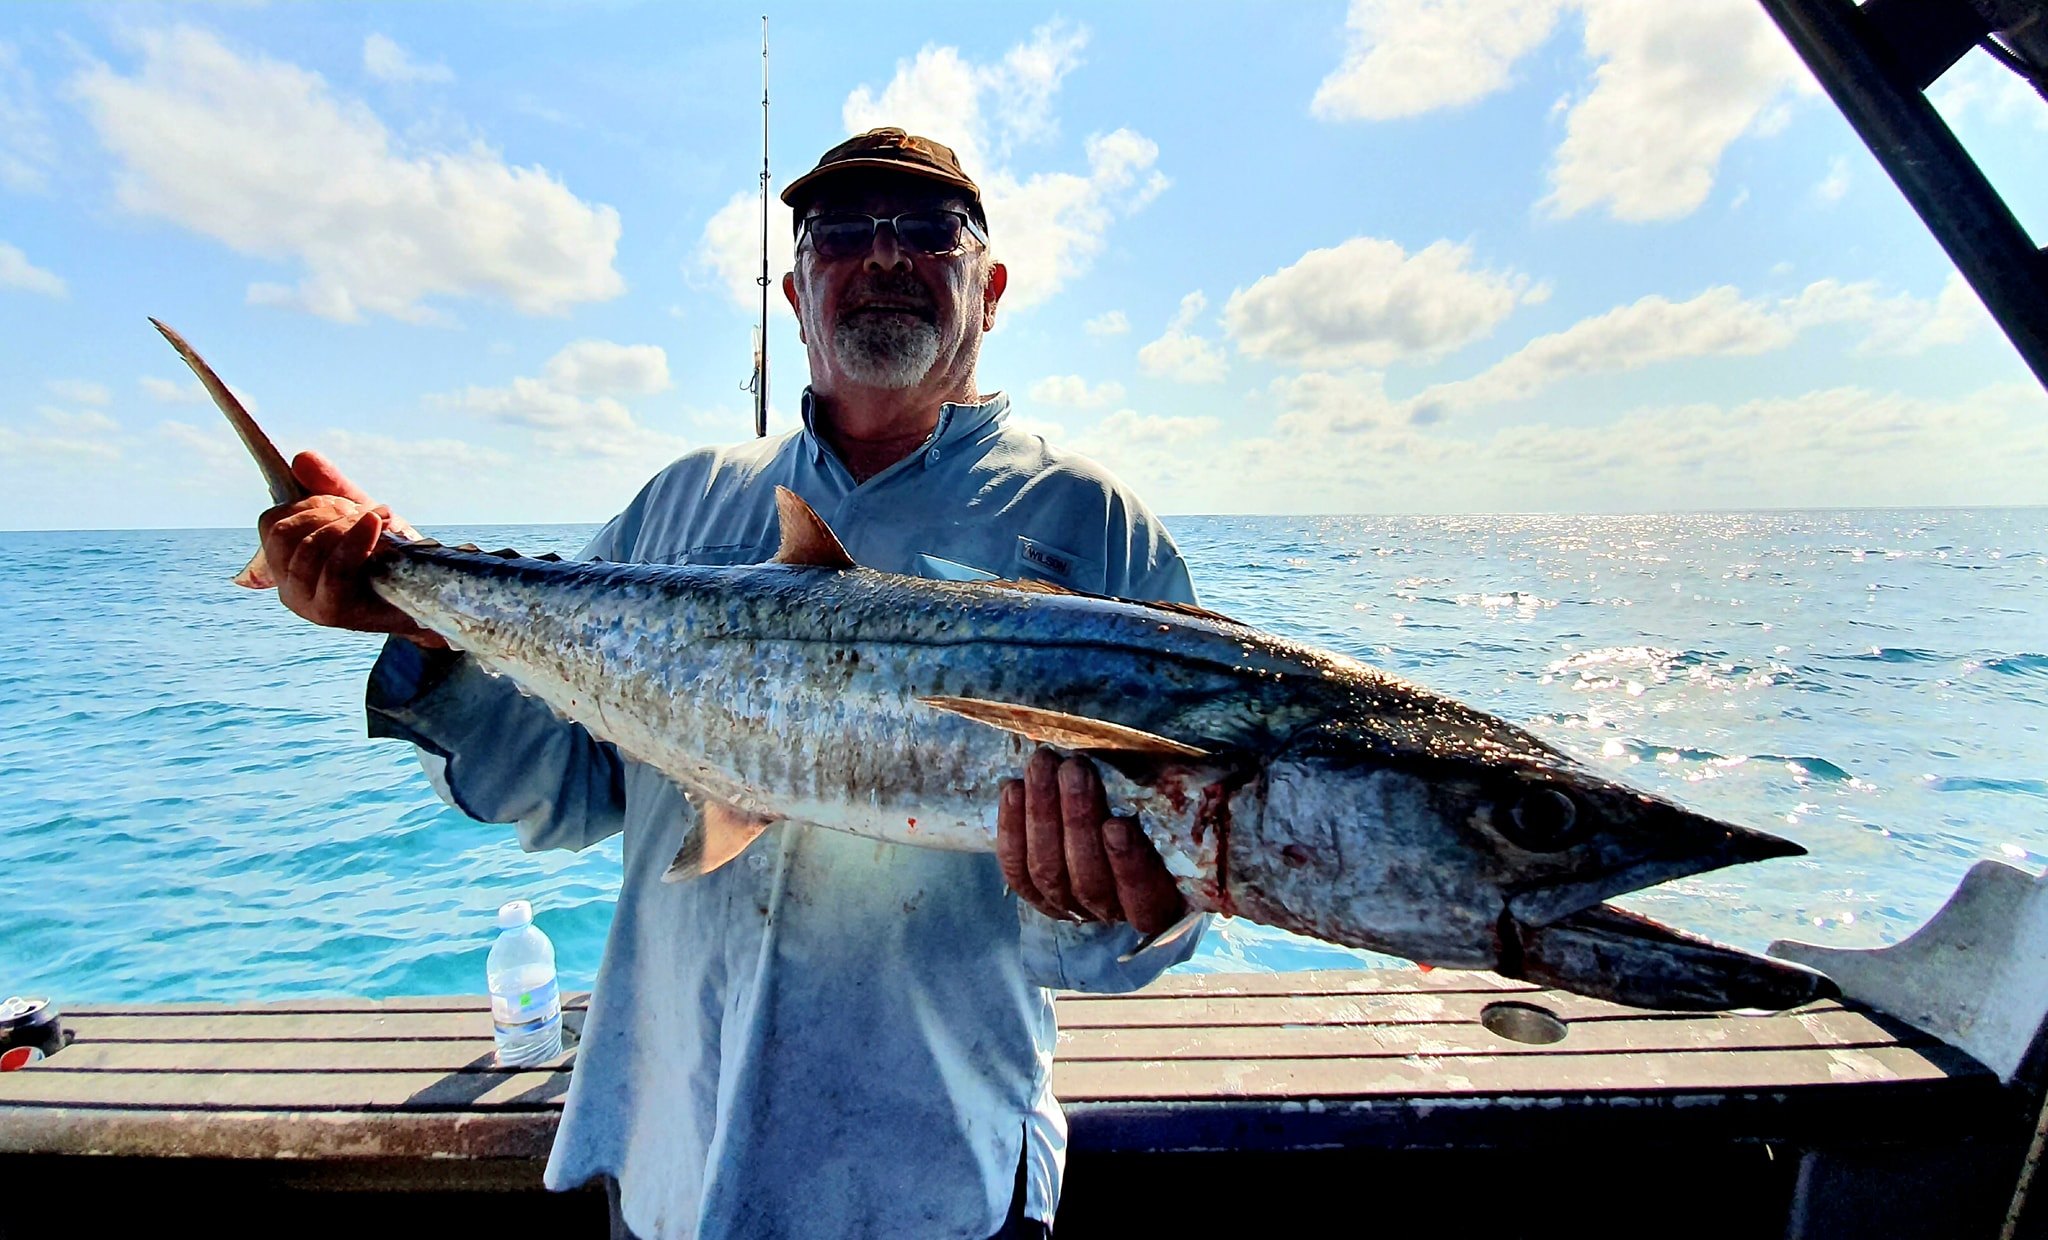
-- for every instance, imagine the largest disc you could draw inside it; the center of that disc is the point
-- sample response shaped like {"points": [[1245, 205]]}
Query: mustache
{"points": [[895, 292]]}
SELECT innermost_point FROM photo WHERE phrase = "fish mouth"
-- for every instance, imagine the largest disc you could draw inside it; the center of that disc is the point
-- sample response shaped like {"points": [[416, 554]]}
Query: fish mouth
{"points": [[1613, 954], [1686, 844]]}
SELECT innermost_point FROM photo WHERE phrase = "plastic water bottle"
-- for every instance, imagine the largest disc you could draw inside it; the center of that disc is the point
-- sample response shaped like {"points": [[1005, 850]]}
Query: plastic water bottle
{"points": [[526, 1003]]}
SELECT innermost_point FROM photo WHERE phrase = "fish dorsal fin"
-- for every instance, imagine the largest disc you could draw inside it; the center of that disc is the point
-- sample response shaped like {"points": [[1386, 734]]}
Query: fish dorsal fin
{"points": [[806, 539], [722, 832], [1051, 727]]}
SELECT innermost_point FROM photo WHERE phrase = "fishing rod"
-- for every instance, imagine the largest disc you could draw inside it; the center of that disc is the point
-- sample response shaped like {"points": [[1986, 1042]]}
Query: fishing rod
{"points": [[760, 383]]}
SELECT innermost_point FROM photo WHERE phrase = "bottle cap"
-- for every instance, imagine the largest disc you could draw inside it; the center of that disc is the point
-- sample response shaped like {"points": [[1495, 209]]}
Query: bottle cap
{"points": [[515, 914]]}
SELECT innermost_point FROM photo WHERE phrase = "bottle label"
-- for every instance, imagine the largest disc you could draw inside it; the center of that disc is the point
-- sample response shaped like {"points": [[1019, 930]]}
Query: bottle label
{"points": [[527, 1011]]}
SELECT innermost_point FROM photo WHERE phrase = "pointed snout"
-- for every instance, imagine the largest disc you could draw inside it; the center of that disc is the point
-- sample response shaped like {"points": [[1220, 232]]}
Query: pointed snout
{"points": [[1664, 842]]}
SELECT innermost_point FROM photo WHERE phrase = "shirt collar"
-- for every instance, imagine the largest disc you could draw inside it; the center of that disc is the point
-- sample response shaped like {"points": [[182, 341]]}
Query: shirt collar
{"points": [[958, 422]]}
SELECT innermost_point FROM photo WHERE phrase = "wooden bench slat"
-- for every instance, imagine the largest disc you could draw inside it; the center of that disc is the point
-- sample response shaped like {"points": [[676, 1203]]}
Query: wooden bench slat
{"points": [[288, 1091], [408, 1003], [1806, 1029], [1421, 1076], [1083, 1011], [1320, 982], [1073, 1080], [447, 1055], [474, 1054], [311, 1027]]}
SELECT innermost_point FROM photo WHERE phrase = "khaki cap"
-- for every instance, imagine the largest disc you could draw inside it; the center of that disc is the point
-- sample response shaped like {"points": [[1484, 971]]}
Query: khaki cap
{"points": [[890, 150]]}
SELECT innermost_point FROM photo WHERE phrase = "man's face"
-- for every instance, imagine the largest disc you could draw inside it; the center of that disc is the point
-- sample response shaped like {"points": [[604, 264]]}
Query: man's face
{"points": [[891, 316]]}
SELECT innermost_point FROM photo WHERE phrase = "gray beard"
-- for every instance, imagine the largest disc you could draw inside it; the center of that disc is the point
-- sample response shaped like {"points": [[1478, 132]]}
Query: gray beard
{"points": [[893, 351]]}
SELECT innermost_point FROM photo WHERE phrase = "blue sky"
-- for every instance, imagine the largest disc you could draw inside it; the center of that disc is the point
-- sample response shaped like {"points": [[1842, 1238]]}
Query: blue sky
{"points": [[1573, 255]]}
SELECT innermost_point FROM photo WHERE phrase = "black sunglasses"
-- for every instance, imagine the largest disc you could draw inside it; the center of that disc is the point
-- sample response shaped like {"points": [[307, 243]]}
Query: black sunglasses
{"points": [[848, 234]]}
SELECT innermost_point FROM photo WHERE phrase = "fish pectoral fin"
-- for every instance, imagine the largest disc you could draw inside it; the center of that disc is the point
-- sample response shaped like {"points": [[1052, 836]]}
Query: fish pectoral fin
{"points": [[256, 574], [806, 539], [1172, 934], [1051, 727], [722, 832]]}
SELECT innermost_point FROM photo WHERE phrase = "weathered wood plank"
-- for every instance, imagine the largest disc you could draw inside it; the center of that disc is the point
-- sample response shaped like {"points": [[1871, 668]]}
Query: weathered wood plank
{"points": [[1423, 1076], [313, 1027], [287, 1091], [1320, 982], [1704, 1036], [440, 1055], [1074, 1079], [1084, 1011], [1700, 1035], [409, 1003]]}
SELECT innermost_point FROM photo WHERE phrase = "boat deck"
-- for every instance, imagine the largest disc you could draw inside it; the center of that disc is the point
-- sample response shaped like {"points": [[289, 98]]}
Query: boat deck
{"points": [[403, 1093]]}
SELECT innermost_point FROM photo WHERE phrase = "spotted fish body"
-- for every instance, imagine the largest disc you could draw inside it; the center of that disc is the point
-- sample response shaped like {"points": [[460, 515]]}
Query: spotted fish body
{"points": [[1291, 785]]}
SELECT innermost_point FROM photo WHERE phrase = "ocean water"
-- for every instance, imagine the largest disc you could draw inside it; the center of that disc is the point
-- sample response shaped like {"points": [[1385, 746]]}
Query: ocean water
{"points": [[189, 809]]}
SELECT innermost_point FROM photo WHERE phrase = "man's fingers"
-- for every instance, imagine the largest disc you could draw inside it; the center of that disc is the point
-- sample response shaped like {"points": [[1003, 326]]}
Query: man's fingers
{"points": [[1012, 848], [299, 580], [1149, 896], [317, 474], [1044, 840], [339, 589], [1082, 809]]}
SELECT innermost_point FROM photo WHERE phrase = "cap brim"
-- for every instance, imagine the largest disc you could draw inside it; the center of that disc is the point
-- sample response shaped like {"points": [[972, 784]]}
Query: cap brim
{"points": [[796, 188]]}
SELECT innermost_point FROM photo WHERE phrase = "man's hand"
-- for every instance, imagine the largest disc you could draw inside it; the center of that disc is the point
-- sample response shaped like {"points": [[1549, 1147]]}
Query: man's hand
{"points": [[319, 547], [1068, 857]]}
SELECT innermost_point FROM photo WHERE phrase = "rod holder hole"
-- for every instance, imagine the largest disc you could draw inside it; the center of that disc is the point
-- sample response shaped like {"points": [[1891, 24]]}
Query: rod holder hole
{"points": [[1523, 1022]]}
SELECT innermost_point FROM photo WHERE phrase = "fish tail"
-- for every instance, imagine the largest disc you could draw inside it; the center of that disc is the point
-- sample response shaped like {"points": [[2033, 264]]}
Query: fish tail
{"points": [[277, 472]]}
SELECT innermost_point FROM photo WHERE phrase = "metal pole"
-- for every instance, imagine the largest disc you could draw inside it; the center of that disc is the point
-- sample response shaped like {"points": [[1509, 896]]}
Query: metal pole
{"points": [[761, 351], [1929, 166]]}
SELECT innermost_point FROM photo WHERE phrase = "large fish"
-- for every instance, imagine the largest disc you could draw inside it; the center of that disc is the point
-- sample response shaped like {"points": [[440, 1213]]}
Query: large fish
{"points": [[1282, 783]]}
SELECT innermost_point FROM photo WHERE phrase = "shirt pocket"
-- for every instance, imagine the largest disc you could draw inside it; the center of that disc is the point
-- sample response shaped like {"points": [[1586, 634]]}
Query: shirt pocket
{"points": [[1038, 560]]}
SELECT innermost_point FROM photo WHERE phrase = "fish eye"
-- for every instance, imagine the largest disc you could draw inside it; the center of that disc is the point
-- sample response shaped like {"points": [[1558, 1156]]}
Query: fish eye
{"points": [[1541, 820]]}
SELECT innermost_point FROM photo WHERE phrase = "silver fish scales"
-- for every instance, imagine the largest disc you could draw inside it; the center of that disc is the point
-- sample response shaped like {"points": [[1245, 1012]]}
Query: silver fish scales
{"points": [[1291, 785]]}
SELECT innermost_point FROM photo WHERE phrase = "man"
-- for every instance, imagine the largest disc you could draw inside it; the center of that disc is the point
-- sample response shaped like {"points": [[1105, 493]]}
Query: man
{"points": [[828, 1036]]}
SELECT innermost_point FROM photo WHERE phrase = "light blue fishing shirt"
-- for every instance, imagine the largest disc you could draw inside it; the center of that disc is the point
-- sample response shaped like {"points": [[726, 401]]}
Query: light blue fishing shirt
{"points": [[829, 1036]]}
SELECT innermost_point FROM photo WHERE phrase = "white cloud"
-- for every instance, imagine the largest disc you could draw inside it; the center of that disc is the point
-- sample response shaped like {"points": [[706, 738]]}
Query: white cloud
{"points": [[602, 368], [80, 391], [1154, 454], [1368, 302], [1979, 88], [61, 438], [1675, 85], [1406, 57], [731, 249], [1046, 226], [939, 93], [172, 392], [1049, 227], [1181, 355], [1074, 391], [27, 151], [1112, 323], [78, 421], [262, 156], [573, 406], [1832, 447], [386, 61], [1835, 184], [17, 272], [1717, 323]]}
